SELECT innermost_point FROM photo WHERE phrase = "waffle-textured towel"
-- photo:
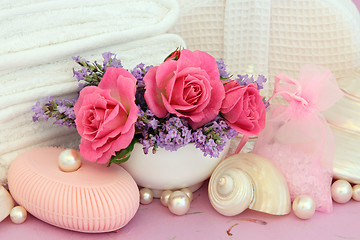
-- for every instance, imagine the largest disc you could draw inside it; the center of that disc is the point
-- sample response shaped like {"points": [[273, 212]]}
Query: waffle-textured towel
{"points": [[274, 35], [38, 41]]}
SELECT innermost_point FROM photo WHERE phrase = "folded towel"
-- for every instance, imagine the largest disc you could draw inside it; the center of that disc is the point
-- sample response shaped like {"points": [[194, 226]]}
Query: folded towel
{"points": [[273, 35], [40, 31], [56, 78], [38, 39]]}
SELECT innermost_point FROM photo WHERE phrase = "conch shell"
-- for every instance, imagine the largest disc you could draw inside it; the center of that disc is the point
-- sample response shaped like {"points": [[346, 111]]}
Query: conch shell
{"points": [[248, 180], [6, 203]]}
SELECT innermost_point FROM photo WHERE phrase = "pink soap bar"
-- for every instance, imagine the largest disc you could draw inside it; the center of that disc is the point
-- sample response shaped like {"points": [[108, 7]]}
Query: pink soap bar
{"points": [[95, 198]]}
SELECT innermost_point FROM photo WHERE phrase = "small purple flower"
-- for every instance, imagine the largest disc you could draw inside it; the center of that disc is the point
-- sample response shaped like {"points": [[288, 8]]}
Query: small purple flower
{"points": [[59, 109], [222, 69], [107, 58], [200, 137], [62, 108], [179, 140], [216, 127], [245, 80], [172, 133], [149, 113], [110, 60], [260, 81], [59, 122], [71, 113], [223, 124], [77, 59], [154, 123]]}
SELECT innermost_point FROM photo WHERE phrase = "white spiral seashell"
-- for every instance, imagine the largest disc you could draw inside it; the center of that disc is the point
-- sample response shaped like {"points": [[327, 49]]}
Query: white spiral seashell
{"points": [[248, 181]]}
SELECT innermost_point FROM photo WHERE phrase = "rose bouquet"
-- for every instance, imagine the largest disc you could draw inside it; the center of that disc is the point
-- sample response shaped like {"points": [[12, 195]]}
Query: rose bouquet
{"points": [[189, 98]]}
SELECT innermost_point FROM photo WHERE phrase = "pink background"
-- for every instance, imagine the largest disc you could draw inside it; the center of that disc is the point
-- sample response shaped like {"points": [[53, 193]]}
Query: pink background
{"points": [[155, 222]]}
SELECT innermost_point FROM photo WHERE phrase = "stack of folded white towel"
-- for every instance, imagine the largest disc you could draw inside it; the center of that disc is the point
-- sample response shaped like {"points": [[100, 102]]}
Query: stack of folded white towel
{"points": [[38, 39]]}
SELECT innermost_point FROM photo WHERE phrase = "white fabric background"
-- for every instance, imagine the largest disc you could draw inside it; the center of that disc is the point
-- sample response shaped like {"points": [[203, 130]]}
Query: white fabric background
{"points": [[273, 35]]}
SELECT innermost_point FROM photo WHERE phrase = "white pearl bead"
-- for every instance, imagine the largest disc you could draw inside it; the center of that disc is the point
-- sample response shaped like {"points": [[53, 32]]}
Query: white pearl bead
{"points": [[356, 192], [164, 198], [18, 214], [188, 193], [69, 160], [341, 191], [146, 196], [304, 207], [179, 203]]}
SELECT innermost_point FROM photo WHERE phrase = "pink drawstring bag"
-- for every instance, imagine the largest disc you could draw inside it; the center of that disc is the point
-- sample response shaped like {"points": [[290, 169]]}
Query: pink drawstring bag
{"points": [[297, 138]]}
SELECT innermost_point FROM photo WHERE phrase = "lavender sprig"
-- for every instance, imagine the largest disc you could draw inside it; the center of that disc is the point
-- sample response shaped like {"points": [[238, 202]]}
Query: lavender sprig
{"points": [[222, 69], [213, 136], [246, 79], [59, 109], [91, 74], [173, 133], [139, 72]]}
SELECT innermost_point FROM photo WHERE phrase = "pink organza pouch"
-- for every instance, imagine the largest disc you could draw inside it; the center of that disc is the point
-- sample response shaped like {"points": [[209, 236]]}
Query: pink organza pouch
{"points": [[297, 138]]}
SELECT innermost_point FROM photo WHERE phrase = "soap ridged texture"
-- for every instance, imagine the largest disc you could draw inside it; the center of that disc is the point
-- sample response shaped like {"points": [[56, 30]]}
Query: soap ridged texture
{"points": [[95, 198]]}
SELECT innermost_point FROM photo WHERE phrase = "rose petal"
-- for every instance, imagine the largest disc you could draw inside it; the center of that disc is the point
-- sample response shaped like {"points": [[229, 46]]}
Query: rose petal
{"points": [[84, 92], [188, 59], [110, 80], [152, 94], [116, 145], [208, 63]]}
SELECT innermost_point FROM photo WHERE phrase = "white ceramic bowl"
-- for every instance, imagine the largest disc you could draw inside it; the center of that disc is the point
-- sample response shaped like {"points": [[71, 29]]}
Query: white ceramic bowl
{"points": [[166, 170]]}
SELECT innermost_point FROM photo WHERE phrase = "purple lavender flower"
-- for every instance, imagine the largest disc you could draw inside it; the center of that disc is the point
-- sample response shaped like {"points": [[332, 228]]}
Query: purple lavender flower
{"points": [[80, 75], [146, 145], [107, 57], [110, 60], [149, 113], [260, 81], [79, 60], [222, 69], [212, 137], [154, 123], [246, 79], [59, 109], [139, 72]]}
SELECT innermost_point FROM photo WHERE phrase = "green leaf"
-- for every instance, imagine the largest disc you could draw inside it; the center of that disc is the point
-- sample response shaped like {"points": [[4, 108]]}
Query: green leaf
{"points": [[124, 154]]}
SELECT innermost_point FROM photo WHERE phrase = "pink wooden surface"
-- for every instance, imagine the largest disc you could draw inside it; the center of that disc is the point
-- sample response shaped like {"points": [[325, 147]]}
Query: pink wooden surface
{"points": [[155, 222]]}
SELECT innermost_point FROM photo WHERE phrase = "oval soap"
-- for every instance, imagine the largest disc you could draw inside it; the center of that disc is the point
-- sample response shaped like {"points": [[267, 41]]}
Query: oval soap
{"points": [[95, 198]]}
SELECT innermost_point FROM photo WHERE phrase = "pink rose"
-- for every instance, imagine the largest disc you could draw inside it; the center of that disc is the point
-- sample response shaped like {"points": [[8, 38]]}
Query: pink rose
{"points": [[106, 115], [189, 87], [243, 108]]}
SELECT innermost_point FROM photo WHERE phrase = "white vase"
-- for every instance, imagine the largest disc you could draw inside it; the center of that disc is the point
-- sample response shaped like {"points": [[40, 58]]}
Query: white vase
{"points": [[167, 170]]}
